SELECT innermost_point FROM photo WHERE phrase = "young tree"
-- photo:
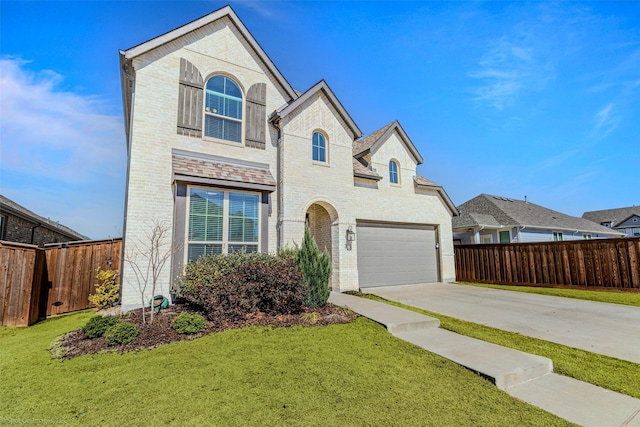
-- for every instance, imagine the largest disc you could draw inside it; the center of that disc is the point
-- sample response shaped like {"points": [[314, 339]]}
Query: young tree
{"points": [[147, 259], [316, 269]]}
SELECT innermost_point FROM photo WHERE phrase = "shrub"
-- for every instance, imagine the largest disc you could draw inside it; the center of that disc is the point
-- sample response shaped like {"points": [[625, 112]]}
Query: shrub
{"points": [[120, 333], [288, 252], [186, 323], [57, 349], [231, 286], [107, 290], [316, 269], [97, 325]]}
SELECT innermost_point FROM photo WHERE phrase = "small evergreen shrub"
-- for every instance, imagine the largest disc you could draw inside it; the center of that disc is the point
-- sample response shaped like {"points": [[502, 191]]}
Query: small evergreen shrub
{"points": [[57, 349], [231, 286], [107, 290], [120, 333], [97, 325], [316, 269], [186, 323]]}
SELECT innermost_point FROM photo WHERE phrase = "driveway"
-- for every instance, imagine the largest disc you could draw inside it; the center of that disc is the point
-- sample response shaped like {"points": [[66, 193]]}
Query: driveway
{"points": [[610, 329]]}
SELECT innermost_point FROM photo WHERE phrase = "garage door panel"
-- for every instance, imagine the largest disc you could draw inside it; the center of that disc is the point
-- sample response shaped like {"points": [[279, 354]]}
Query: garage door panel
{"points": [[395, 255]]}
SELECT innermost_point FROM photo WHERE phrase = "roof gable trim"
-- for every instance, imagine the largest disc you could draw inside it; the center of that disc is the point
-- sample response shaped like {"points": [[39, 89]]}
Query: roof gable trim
{"points": [[324, 87], [403, 137], [226, 11]]}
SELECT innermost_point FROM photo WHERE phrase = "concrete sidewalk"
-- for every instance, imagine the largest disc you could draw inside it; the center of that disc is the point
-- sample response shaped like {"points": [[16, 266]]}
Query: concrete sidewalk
{"points": [[609, 329], [524, 376]]}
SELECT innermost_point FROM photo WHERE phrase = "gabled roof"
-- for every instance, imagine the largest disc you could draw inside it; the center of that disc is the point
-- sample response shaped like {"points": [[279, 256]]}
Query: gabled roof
{"points": [[422, 182], [225, 11], [321, 86], [372, 142], [496, 211], [9, 206], [615, 216], [127, 55]]}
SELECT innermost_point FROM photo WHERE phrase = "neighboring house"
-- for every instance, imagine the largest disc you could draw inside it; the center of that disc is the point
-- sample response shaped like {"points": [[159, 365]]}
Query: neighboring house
{"points": [[225, 151], [624, 220], [19, 224], [495, 219]]}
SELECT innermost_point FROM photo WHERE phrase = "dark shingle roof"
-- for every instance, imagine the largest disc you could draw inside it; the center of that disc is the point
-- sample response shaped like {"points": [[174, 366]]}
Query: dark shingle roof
{"points": [[616, 216], [499, 211], [8, 205]]}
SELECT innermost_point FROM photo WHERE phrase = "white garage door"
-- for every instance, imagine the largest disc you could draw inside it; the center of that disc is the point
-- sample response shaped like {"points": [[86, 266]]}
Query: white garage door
{"points": [[390, 254]]}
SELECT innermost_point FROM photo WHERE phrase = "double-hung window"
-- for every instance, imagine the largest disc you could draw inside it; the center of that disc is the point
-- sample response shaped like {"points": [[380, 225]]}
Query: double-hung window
{"points": [[223, 109], [557, 236], [221, 222], [319, 147]]}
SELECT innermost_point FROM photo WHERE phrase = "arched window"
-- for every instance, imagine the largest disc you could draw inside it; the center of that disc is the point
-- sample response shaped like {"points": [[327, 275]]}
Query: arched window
{"points": [[319, 147], [223, 109], [393, 172]]}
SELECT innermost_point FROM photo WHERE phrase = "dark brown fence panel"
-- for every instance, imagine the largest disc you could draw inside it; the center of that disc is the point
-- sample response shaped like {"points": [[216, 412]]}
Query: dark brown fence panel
{"points": [[72, 269], [21, 268], [598, 263]]}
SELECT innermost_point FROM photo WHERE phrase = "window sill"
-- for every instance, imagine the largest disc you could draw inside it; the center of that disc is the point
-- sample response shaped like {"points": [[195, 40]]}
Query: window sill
{"points": [[223, 141], [317, 163]]}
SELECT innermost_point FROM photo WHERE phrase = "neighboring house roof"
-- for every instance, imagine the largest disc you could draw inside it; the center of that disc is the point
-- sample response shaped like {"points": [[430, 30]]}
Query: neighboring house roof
{"points": [[372, 142], [422, 182], [496, 211], [615, 216], [321, 86], [222, 170], [9, 206], [127, 55]]}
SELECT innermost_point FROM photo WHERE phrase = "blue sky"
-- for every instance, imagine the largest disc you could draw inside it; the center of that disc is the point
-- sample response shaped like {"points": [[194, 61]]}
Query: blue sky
{"points": [[539, 99]]}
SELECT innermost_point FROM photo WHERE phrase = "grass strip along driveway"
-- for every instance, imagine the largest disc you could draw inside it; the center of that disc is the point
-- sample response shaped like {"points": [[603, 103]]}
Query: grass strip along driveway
{"points": [[612, 297], [604, 371], [350, 374]]}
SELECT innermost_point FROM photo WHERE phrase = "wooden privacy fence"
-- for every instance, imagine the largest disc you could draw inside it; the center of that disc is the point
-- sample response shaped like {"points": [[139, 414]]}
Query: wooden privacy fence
{"points": [[598, 263], [37, 282]]}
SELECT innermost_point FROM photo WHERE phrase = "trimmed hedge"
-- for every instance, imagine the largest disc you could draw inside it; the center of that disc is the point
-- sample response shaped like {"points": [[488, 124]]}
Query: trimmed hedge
{"points": [[120, 333], [96, 326], [186, 323], [231, 286]]}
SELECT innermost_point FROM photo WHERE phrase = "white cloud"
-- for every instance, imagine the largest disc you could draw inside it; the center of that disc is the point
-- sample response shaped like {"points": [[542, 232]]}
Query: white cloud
{"points": [[62, 155], [510, 68], [606, 121], [53, 132]]}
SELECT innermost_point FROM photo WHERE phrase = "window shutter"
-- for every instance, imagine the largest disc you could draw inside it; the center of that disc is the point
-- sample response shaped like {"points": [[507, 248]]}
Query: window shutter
{"points": [[256, 117], [190, 100]]}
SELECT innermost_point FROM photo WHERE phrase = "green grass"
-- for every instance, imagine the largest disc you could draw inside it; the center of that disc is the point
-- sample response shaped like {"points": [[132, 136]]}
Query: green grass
{"points": [[604, 371], [625, 298], [353, 374]]}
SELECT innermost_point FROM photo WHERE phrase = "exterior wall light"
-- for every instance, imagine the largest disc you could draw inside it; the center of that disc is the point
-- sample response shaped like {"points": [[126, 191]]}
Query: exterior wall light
{"points": [[351, 235]]}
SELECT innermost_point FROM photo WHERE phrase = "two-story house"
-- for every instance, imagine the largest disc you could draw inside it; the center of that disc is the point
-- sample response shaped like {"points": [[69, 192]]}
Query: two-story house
{"points": [[225, 151]]}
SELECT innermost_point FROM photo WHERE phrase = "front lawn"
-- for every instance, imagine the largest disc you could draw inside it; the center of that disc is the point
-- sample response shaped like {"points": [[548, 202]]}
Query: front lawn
{"points": [[613, 297], [351, 374], [604, 371]]}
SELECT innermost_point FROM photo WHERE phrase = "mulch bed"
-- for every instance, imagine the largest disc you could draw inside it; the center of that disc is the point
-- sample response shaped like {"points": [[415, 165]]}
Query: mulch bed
{"points": [[160, 331]]}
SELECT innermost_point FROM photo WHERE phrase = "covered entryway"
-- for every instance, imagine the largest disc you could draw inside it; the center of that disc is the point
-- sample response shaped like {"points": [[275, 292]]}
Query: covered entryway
{"points": [[320, 218], [396, 254]]}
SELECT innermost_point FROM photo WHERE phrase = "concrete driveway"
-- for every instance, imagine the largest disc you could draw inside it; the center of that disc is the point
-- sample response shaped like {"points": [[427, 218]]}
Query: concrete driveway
{"points": [[610, 329]]}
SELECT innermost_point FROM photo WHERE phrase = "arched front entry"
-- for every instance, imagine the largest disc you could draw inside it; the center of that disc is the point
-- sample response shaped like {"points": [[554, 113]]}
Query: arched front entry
{"points": [[320, 218]]}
